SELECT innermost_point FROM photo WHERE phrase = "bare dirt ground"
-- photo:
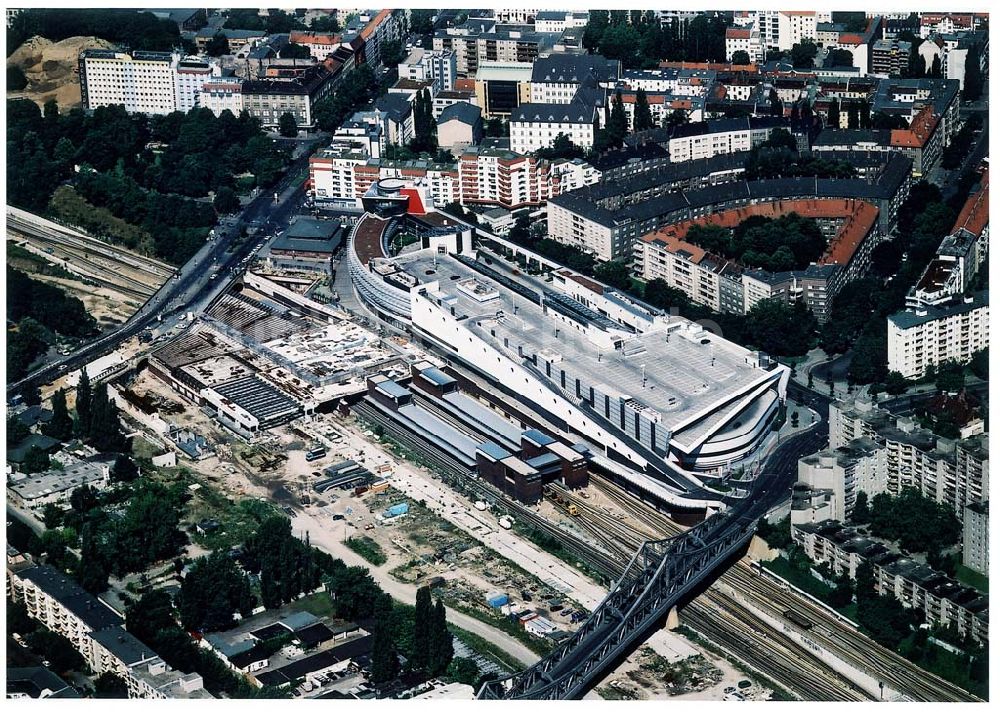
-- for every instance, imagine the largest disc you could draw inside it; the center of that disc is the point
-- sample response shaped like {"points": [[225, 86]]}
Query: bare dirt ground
{"points": [[52, 69], [646, 676]]}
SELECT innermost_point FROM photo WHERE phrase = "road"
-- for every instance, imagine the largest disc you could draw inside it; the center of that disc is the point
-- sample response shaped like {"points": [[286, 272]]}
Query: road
{"points": [[193, 283]]}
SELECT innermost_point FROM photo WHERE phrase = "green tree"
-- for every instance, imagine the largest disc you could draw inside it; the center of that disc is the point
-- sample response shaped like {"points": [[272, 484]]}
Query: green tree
{"points": [[59, 651], [421, 21], [423, 614], [837, 57], [780, 329], [950, 377], [895, 383], [16, 80], [384, 659], [615, 273], [617, 126], [803, 55], [972, 89], [643, 116], [833, 114], [105, 424], [861, 514], [464, 671], [225, 201], [61, 425], [660, 294], [217, 46], [741, 56], [287, 126], [562, 147], [84, 400], [109, 686], [212, 592], [52, 516], [293, 50], [124, 470], [35, 460], [16, 431], [441, 649], [980, 364]]}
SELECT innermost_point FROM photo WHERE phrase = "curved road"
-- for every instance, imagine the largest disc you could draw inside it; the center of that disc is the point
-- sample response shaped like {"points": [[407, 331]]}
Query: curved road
{"points": [[192, 283]]}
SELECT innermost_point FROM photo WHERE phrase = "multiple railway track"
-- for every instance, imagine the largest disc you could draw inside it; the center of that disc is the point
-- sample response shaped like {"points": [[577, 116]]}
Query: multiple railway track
{"points": [[96, 262], [721, 615]]}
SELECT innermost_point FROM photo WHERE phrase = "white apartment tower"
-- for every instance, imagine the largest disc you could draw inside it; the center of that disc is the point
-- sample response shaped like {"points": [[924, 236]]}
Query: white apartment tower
{"points": [[142, 82]]}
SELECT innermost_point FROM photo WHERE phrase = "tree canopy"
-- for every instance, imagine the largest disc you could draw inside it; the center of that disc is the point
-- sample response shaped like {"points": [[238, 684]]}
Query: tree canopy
{"points": [[916, 522], [779, 244], [213, 590]]}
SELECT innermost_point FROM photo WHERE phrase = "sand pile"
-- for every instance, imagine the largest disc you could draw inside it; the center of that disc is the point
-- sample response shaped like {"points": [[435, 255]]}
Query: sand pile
{"points": [[53, 68]]}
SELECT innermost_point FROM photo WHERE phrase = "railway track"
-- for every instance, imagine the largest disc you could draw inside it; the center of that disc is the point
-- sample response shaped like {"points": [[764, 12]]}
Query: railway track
{"points": [[100, 271], [717, 614], [32, 224], [839, 636]]}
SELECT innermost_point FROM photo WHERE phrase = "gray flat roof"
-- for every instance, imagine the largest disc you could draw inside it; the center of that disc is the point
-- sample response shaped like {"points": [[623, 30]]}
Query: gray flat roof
{"points": [[911, 319], [682, 374], [94, 614], [260, 399]]}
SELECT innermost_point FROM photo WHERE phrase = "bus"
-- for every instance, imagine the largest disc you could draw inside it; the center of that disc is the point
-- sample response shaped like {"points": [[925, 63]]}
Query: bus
{"points": [[316, 453]]}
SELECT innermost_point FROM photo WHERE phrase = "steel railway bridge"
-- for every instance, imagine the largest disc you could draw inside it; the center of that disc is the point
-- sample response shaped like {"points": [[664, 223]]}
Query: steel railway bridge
{"points": [[656, 579]]}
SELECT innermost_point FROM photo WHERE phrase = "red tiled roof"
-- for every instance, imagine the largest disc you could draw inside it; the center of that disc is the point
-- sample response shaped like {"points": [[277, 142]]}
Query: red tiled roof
{"points": [[859, 217], [736, 33], [975, 215], [921, 129]]}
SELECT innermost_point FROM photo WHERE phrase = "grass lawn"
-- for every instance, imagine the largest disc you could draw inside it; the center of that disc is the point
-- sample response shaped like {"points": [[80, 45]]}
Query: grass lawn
{"points": [[972, 578], [368, 549], [319, 604]]}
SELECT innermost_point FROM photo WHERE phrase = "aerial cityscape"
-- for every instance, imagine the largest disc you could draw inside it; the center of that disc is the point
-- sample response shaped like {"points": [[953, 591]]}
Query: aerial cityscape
{"points": [[497, 354]]}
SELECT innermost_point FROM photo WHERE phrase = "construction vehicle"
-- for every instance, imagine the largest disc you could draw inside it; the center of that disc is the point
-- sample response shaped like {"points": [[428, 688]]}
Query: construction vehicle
{"points": [[564, 503]]}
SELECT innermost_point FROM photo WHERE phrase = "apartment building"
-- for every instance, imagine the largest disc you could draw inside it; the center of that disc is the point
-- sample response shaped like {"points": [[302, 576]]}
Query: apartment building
{"points": [[368, 32], [976, 537], [268, 99], [838, 475], [96, 632], [535, 126], [439, 67], [706, 139], [960, 255], [744, 39], [320, 45], [342, 173], [889, 58], [705, 278], [780, 29], [938, 23], [222, 94], [559, 20], [941, 600], [929, 335], [952, 472], [850, 227], [142, 82], [557, 78]]}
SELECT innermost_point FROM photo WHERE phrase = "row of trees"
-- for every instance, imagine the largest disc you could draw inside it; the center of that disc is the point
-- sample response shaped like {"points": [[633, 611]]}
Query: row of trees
{"points": [[126, 27], [858, 312], [639, 40], [424, 126]]}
